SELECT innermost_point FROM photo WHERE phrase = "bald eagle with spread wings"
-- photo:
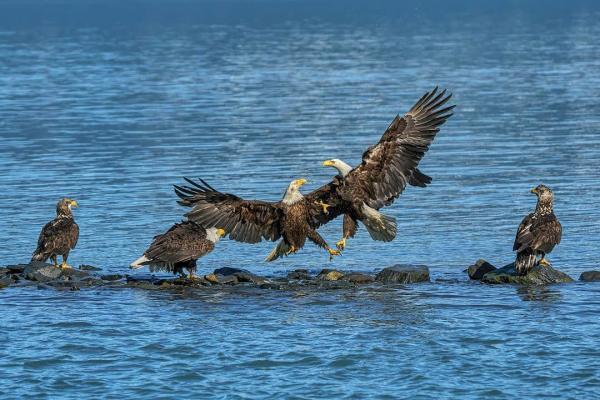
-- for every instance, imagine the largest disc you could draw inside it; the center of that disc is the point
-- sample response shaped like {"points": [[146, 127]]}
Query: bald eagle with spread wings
{"points": [[385, 171]]}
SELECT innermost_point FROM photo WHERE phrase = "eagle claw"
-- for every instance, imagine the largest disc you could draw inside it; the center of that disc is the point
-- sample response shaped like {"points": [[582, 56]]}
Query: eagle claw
{"points": [[544, 262], [333, 253], [325, 206], [341, 245]]}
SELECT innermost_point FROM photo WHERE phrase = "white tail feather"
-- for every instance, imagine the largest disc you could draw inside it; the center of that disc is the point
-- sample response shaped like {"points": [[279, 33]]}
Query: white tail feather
{"points": [[139, 263], [380, 226]]}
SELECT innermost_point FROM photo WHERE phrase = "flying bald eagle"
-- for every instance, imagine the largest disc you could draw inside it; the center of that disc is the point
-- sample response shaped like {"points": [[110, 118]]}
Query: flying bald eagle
{"points": [[178, 248], [538, 233], [386, 169], [292, 219], [59, 236]]}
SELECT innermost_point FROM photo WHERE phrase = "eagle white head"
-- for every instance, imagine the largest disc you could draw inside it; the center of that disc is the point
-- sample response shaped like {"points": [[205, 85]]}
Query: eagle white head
{"points": [[343, 168], [292, 194], [214, 234]]}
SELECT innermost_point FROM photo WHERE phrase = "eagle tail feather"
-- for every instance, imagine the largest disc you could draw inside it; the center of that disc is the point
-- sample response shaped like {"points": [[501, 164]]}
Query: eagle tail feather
{"points": [[39, 255], [280, 250], [139, 263], [526, 260], [380, 226]]}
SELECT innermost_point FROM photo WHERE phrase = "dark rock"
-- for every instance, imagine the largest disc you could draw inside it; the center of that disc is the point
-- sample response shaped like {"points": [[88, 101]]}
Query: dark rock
{"points": [[404, 274], [479, 269], [6, 280], [41, 272], [218, 279], [330, 275], [358, 278], [226, 271], [111, 277], [590, 276], [539, 275], [74, 274], [299, 274], [17, 269], [4, 271], [85, 267]]}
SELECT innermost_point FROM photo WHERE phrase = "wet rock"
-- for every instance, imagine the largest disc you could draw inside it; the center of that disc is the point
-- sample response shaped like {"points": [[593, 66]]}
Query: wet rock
{"points": [[299, 274], [404, 274], [358, 278], [218, 279], [74, 274], [85, 267], [16, 269], [539, 275], [330, 275], [64, 285], [479, 269], [4, 271], [41, 272], [335, 284], [112, 277], [590, 276], [242, 275], [6, 280]]}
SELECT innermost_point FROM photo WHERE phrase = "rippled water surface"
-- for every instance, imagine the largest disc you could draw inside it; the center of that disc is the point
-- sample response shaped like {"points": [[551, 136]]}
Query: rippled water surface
{"points": [[111, 103]]}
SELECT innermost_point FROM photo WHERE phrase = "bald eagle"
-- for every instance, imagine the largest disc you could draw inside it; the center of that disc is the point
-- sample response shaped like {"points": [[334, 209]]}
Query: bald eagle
{"points": [[59, 236], [178, 248], [293, 219], [538, 233], [386, 169]]}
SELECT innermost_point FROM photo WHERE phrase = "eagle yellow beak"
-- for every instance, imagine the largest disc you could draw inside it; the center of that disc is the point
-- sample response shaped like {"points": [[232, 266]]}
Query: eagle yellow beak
{"points": [[220, 232], [74, 204], [534, 190], [328, 163], [301, 182]]}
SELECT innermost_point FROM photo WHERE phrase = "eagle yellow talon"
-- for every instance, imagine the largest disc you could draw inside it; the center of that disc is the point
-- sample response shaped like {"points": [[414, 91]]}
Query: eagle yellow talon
{"points": [[341, 245], [325, 206], [544, 262], [292, 250], [65, 265], [333, 253]]}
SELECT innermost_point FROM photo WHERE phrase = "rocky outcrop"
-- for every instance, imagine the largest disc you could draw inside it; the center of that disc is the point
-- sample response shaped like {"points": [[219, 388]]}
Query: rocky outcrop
{"points": [[299, 274], [41, 272], [479, 269], [330, 275], [590, 276], [539, 275], [358, 278], [242, 275], [404, 274]]}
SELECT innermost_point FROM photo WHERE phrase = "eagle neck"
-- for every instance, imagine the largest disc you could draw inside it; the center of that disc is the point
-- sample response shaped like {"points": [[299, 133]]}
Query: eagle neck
{"points": [[343, 168], [544, 207], [292, 197]]}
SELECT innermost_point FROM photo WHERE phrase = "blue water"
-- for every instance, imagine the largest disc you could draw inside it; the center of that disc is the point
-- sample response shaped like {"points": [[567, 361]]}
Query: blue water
{"points": [[113, 102]]}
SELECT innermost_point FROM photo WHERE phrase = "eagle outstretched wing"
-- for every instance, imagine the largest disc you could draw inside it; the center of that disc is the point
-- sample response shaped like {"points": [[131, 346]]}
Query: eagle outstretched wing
{"points": [[247, 221], [389, 166]]}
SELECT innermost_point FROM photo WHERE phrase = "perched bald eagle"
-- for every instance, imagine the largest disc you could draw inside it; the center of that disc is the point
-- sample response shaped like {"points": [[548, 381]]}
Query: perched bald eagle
{"points": [[178, 248], [59, 236], [292, 219], [538, 233], [386, 169]]}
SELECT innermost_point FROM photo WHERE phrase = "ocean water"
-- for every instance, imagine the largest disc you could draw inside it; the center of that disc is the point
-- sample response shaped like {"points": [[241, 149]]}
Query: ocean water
{"points": [[112, 103]]}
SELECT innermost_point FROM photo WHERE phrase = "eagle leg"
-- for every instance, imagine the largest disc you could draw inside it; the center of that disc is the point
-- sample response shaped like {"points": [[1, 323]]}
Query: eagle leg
{"points": [[292, 250], [54, 261], [341, 245], [325, 206], [64, 262]]}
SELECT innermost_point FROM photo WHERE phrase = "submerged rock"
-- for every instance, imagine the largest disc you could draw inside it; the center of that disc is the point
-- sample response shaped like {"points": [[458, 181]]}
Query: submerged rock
{"points": [[299, 274], [479, 269], [538, 275], [590, 276], [403, 274], [111, 277], [5, 280], [358, 278], [85, 267], [330, 275]]}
